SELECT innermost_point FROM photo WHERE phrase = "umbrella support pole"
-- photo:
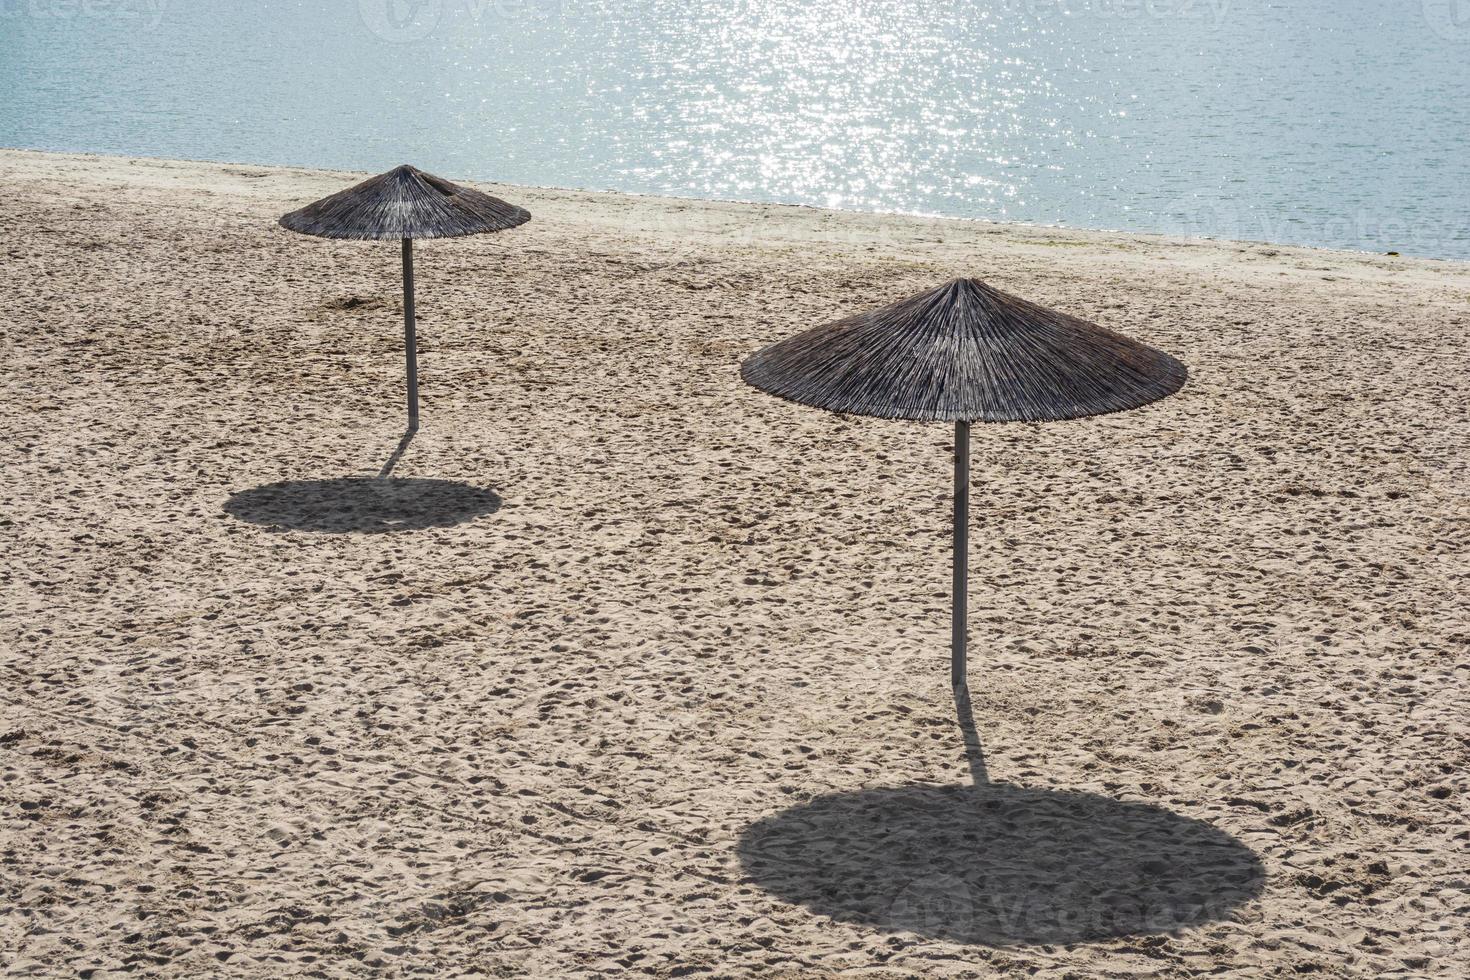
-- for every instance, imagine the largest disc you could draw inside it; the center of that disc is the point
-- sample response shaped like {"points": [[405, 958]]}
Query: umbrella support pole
{"points": [[958, 642], [410, 338]]}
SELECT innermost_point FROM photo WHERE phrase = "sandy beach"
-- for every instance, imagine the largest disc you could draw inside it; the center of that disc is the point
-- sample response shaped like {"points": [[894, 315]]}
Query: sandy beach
{"points": [[631, 669]]}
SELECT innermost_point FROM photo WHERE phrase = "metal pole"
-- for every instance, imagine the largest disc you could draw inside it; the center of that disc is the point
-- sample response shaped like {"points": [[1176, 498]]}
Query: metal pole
{"points": [[410, 338], [957, 674]]}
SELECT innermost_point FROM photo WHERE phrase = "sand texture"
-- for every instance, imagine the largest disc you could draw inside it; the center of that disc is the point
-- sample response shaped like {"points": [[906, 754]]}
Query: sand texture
{"points": [[631, 669]]}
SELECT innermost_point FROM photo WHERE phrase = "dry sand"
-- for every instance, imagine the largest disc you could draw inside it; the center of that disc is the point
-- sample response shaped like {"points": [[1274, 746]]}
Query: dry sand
{"points": [[654, 680]]}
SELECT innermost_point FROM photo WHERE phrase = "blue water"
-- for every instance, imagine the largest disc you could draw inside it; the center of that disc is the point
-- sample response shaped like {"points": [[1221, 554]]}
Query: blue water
{"points": [[1342, 123]]}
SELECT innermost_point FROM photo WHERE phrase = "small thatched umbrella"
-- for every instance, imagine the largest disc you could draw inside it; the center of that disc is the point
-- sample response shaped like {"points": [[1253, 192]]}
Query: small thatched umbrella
{"points": [[406, 203], [960, 353]]}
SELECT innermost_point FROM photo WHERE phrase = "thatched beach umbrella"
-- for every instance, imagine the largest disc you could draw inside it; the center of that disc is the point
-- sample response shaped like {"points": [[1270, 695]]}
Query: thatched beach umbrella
{"points": [[406, 203], [961, 353]]}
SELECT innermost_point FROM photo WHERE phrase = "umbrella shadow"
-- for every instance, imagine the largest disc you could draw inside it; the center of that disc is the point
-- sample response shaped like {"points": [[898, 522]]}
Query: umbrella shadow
{"points": [[364, 505], [1000, 865], [397, 455], [974, 751]]}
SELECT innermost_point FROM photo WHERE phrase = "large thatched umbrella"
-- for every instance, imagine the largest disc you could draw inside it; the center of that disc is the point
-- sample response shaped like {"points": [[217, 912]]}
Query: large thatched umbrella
{"points": [[406, 203], [960, 353]]}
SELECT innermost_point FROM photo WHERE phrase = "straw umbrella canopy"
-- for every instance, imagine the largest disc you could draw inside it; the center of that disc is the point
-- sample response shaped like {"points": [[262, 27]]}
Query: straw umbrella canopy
{"points": [[405, 203], [964, 352]]}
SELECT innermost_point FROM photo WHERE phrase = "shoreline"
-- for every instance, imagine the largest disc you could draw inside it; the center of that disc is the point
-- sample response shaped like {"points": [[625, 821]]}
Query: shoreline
{"points": [[1163, 238]]}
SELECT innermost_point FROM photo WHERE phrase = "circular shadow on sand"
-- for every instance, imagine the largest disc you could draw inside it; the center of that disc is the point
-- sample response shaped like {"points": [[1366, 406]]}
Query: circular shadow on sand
{"points": [[362, 504], [1000, 865]]}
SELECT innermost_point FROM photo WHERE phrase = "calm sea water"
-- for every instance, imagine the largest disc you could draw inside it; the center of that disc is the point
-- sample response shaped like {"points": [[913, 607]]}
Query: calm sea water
{"points": [[1326, 122]]}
